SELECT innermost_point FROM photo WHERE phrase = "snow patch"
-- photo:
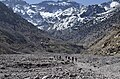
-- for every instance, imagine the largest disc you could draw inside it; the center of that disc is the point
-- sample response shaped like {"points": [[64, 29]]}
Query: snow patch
{"points": [[46, 14], [114, 4], [30, 12], [32, 22]]}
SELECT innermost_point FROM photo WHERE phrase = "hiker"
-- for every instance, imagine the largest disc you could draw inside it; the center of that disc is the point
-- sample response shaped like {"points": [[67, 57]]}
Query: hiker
{"points": [[66, 57], [72, 59], [60, 58], [75, 59], [54, 57]]}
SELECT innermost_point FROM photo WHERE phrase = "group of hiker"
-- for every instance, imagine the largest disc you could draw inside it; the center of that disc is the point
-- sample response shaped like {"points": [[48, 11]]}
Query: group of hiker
{"points": [[66, 58]]}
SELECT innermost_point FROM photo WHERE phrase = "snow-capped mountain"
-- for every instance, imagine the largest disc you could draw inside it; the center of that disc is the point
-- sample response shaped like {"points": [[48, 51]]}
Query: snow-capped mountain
{"points": [[44, 14], [60, 15], [66, 20]]}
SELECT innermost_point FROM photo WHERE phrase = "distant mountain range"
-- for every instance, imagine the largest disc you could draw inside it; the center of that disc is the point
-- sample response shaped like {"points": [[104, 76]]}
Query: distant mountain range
{"points": [[19, 36], [70, 21], [61, 15]]}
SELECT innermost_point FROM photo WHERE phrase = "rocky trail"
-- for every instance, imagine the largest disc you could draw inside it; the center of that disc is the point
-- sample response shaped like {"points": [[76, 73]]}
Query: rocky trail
{"points": [[56, 66]]}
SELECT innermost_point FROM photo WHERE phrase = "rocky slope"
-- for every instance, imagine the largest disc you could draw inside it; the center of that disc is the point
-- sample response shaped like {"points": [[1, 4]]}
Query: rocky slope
{"points": [[19, 36], [109, 44]]}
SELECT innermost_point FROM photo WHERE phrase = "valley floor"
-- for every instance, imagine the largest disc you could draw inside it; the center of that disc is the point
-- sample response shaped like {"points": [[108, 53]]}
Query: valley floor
{"points": [[55, 66]]}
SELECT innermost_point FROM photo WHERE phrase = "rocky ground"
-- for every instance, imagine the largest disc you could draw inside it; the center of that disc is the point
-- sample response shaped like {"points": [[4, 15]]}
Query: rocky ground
{"points": [[55, 66]]}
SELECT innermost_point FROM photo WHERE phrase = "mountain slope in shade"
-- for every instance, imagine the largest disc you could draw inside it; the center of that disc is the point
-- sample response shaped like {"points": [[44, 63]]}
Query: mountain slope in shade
{"points": [[19, 36]]}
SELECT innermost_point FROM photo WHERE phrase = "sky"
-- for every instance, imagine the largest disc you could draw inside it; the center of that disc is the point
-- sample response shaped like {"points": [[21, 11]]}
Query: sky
{"points": [[84, 2]]}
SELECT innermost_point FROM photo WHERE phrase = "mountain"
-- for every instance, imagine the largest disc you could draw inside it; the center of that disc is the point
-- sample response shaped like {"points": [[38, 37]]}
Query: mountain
{"points": [[86, 32], [51, 15], [90, 29], [19, 36], [109, 44], [68, 20], [42, 14], [61, 15]]}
